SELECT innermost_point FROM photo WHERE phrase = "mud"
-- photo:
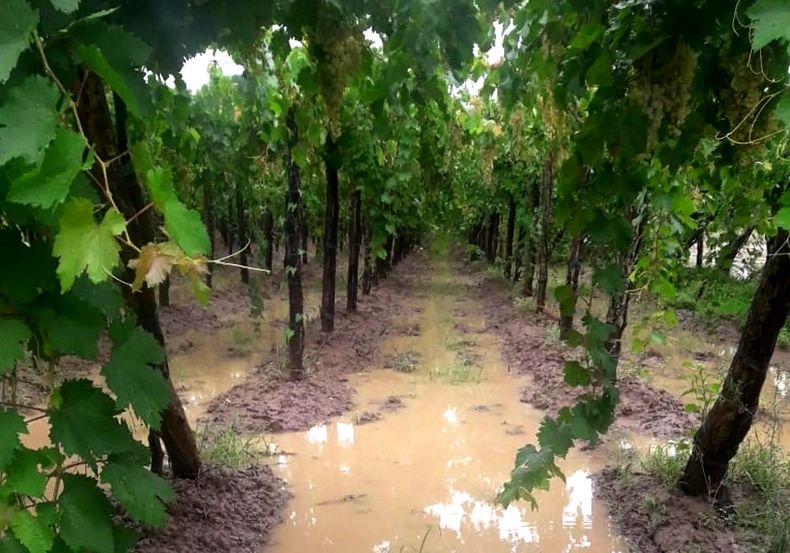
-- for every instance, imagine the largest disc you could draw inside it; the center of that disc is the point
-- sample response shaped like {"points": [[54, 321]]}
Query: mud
{"points": [[266, 401], [654, 519], [528, 350], [224, 510]]}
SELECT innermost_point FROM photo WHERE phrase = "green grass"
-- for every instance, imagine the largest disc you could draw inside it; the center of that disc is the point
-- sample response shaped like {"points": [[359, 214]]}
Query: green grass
{"points": [[465, 370], [713, 296], [759, 478], [224, 446], [407, 361]]}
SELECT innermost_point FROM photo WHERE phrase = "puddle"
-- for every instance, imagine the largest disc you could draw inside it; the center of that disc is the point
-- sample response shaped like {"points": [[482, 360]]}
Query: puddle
{"points": [[430, 471]]}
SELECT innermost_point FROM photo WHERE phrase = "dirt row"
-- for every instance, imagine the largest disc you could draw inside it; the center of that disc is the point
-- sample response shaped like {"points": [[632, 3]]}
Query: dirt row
{"points": [[221, 510], [266, 401], [523, 339]]}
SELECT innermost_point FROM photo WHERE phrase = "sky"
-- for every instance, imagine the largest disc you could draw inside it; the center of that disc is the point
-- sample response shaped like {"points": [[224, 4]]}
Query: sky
{"points": [[195, 70]]}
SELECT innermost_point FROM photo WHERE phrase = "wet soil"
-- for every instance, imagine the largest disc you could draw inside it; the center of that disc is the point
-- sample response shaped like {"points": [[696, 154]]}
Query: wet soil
{"points": [[655, 519], [526, 345], [266, 401], [228, 510]]}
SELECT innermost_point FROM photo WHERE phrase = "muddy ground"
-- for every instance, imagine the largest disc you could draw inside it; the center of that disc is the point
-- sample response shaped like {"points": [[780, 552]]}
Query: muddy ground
{"points": [[654, 519], [526, 347], [266, 401], [229, 510]]}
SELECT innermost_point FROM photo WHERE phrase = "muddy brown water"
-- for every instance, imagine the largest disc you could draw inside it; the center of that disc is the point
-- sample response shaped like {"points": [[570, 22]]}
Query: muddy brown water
{"points": [[424, 477]]}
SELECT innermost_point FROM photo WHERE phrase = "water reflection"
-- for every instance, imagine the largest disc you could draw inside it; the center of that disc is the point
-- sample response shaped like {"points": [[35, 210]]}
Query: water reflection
{"points": [[345, 433], [318, 435], [512, 523], [781, 381]]}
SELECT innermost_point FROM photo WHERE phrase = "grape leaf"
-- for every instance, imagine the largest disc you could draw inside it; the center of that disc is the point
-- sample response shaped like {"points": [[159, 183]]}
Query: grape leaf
{"points": [[23, 475], [11, 426], [14, 33], [9, 544], [140, 491], [575, 374], [782, 112], [113, 53], [154, 264], [36, 258], [555, 436], [13, 336], [770, 21], [49, 185], [782, 219], [105, 296], [609, 278], [184, 225], [84, 246], [84, 407], [28, 120], [32, 532], [87, 515], [130, 375], [66, 6], [70, 325]]}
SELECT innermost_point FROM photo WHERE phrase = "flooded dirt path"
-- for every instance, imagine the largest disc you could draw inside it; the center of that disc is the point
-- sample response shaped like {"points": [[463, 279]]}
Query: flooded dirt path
{"points": [[428, 469]]}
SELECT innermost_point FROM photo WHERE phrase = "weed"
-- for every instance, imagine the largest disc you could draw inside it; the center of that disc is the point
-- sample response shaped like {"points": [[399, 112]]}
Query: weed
{"points": [[703, 390], [407, 361], [473, 253], [552, 336], [464, 370], [223, 445], [783, 340], [667, 461], [525, 305], [762, 472]]}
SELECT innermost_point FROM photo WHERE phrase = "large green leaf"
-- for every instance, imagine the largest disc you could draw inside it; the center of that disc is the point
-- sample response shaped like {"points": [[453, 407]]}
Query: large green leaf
{"points": [[82, 407], [184, 225], [117, 55], [70, 325], [13, 336], [130, 375], [23, 474], [770, 20], [82, 245], [140, 491], [15, 28], [87, 515], [11, 426], [32, 532], [782, 112], [28, 120], [49, 184], [66, 6]]}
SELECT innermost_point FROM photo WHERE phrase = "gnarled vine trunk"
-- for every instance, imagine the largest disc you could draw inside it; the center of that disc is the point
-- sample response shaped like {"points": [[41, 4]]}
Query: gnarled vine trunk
{"points": [[268, 238], [208, 220], [331, 216], [241, 219], [547, 188], [94, 113], [354, 238], [572, 282], [530, 246], [617, 312], [511, 231], [293, 259], [729, 420]]}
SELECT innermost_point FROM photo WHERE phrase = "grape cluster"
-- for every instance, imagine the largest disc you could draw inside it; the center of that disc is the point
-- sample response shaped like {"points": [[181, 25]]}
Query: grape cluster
{"points": [[742, 101], [662, 90], [337, 44]]}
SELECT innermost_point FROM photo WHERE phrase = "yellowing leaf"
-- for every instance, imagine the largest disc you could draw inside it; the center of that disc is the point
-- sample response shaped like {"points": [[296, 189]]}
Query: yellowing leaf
{"points": [[82, 245], [154, 264]]}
